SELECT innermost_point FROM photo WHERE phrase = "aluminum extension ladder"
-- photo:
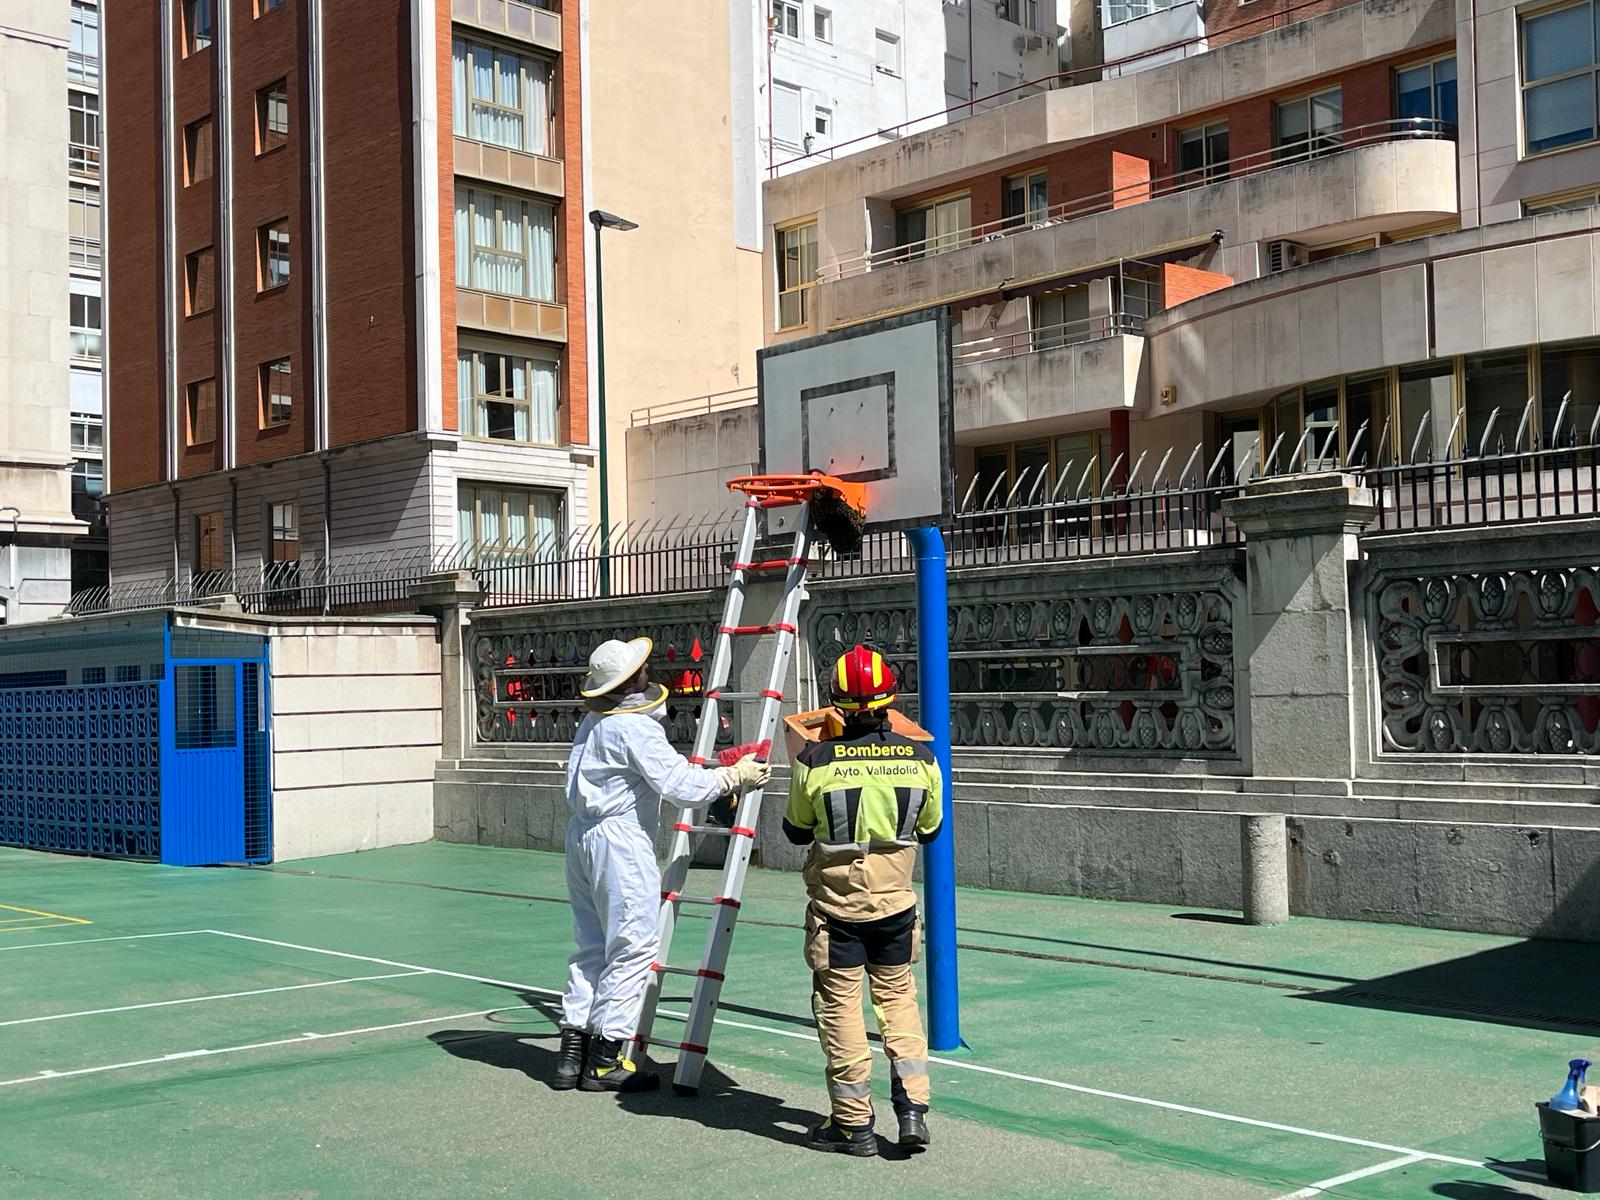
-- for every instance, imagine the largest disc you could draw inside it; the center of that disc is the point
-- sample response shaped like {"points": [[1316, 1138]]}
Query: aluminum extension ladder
{"points": [[709, 976]]}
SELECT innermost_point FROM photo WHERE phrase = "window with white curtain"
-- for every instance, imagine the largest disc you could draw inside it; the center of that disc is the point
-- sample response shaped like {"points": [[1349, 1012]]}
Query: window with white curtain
{"points": [[508, 397], [505, 245], [491, 517], [500, 97]]}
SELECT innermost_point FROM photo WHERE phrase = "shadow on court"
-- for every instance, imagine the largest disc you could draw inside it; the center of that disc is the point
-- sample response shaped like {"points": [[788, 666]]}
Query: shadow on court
{"points": [[720, 1104], [1467, 1190]]}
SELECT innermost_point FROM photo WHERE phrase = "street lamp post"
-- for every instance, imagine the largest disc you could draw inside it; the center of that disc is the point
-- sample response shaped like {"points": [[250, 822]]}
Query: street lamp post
{"points": [[603, 220]]}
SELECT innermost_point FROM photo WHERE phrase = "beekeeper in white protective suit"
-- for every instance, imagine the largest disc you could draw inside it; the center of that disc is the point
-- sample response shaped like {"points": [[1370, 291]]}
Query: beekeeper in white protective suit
{"points": [[622, 768]]}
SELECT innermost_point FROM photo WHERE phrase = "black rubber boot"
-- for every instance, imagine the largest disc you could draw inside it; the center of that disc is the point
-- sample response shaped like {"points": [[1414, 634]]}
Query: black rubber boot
{"points": [[858, 1141], [570, 1063], [609, 1070], [913, 1129]]}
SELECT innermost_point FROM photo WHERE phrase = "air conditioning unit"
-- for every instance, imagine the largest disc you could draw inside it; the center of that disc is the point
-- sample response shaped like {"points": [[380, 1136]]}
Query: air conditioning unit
{"points": [[1030, 41], [1284, 255]]}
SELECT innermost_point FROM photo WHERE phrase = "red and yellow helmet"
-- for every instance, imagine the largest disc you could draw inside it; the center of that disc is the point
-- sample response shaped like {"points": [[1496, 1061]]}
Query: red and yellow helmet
{"points": [[863, 681]]}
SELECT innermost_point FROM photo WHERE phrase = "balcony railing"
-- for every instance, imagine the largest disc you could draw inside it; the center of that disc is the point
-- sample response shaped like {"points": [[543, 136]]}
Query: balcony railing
{"points": [[83, 68], [1117, 12], [84, 252], [1320, 145], [85, 160], [1047, 337]]}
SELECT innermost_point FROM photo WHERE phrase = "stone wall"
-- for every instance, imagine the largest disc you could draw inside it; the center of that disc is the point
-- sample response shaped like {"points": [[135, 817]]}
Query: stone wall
{"points": [[355, 733], [683, 465], [1115, 718]]}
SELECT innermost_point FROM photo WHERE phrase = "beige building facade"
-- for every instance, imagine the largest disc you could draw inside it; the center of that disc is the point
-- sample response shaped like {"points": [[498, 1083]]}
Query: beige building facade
{"points": [[680, 294], [36, 521]]}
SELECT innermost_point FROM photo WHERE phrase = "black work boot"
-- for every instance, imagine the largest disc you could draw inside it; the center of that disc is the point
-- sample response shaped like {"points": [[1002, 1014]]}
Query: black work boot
{"points": [[858, 1141], [913, 1128], [610, 1070], [569, 1064]]}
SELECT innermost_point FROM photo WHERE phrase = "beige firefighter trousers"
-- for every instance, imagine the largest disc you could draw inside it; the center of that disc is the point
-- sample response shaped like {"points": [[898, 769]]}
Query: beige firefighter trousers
{"points": [[832, 950]]}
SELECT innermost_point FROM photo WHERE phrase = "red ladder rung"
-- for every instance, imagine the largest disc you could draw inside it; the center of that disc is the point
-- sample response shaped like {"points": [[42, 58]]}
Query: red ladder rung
{"points": [[703, 972], [756, 630], [772, 564]]}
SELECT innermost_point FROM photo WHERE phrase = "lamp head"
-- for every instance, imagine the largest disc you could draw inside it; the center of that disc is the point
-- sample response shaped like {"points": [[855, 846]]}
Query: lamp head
{"points": [[601, 219]]}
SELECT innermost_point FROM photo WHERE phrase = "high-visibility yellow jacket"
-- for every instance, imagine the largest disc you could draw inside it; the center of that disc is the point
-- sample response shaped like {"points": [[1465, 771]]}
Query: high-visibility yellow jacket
{"points": [[863, 802]]}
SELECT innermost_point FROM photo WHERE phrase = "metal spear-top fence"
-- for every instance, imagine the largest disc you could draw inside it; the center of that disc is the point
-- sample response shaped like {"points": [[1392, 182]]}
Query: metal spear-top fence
{"points": [[367, 581], [651, 557], [1134, 509], [1480, 479], [1506, 472]]}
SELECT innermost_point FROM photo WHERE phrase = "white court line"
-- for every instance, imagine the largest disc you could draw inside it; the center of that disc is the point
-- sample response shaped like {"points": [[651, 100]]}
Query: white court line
{"points": [[1168, 1105], [293, 987], [531, 989], [303, 1039], [127, 937], [1323, 1185]]}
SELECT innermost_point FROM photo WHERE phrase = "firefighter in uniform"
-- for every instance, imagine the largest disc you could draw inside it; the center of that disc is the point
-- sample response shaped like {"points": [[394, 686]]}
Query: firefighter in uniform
{"points": [[863, 802]]}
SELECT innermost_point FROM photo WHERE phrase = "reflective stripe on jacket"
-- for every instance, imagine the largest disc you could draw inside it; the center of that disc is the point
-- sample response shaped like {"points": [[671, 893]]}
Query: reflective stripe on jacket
{"points": [[863, 802]]}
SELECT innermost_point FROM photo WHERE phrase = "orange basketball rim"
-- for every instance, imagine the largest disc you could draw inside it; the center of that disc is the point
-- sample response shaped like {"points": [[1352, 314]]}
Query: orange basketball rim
{"points": [[780, 491]]}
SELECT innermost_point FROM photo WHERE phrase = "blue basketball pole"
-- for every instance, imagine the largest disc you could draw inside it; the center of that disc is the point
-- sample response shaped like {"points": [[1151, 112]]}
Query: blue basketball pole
{"points": [[939, 856]]}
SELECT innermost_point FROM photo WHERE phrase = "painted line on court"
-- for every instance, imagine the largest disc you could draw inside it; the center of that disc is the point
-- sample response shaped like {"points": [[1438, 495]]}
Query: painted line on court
{"points": [[1323, 1185], [126, 937], [293, 987], [303, 1039], [35, 912], [1081, 1089]]}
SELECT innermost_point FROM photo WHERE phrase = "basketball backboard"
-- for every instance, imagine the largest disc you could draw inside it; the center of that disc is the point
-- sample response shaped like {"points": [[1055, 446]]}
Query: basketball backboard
{"points": [[868, 404]]}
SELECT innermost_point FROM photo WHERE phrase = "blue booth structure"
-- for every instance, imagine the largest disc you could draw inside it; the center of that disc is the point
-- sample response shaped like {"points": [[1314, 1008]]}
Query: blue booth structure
{"points": [[140, 735]]}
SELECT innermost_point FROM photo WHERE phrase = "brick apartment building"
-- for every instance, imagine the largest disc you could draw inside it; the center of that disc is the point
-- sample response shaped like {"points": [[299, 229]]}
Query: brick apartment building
{"points": [[346, 280]]}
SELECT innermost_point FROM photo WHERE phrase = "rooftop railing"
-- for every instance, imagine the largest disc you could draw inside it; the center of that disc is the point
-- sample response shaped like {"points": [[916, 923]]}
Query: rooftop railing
{"points": [[1317, 145], [692, 406]]}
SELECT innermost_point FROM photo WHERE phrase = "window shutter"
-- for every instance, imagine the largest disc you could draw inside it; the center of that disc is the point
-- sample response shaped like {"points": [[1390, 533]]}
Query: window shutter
{"points": [[786, 113]]}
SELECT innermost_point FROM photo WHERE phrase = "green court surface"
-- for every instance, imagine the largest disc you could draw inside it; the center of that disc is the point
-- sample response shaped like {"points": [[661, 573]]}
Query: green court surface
{"points": [[380, 1025]]}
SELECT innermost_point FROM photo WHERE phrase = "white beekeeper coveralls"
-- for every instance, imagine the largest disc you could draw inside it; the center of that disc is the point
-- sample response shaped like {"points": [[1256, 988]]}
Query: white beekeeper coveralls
{"points": [[621, 768]]}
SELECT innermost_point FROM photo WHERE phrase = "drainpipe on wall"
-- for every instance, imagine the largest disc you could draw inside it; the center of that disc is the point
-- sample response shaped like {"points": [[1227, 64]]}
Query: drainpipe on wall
{"points": [[327, 536], [177, 536], [1477, 167], [227, 384], [14, 559], [319, 231]]}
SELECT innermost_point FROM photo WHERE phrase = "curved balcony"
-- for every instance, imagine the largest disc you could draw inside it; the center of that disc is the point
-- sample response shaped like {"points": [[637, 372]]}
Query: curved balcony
{"points": [[1363, 180], [1048, 376]]}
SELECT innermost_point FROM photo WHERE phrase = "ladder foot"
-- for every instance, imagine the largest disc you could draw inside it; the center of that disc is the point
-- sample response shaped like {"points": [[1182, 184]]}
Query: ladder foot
{"points": [[683, 1089]]}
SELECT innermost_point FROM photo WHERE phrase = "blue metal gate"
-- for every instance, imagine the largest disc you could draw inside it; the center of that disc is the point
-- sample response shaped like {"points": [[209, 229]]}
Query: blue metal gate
{"points": [[169, 758]]}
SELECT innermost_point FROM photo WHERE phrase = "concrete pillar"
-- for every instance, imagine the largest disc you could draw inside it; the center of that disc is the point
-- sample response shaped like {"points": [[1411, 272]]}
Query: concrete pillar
{"points": [[1264, 853], [448, 597], [1300, 538]]}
